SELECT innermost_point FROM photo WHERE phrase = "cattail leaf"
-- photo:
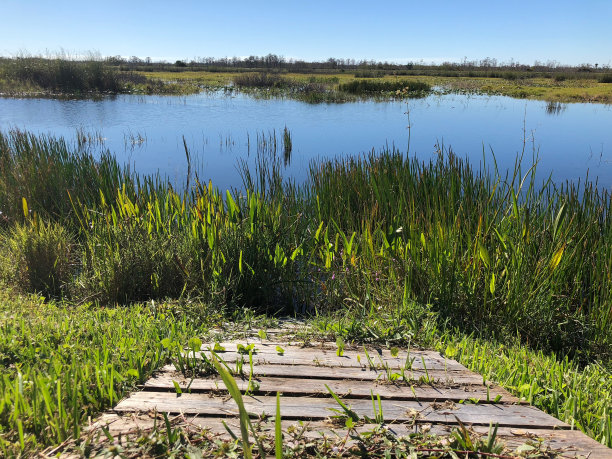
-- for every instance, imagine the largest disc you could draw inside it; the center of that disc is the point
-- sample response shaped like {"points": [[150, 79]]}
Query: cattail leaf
{"points": [[515, 205], [24, 204], [558, 221], [556, 258], [484, 254]]}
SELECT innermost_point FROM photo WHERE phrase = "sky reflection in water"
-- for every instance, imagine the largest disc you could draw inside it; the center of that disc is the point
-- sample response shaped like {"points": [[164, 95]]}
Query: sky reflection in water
{"points": [[147, 131]]}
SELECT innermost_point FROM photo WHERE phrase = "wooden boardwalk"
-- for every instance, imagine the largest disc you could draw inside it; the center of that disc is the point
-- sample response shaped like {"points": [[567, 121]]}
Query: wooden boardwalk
{"points": [[432, 395]]}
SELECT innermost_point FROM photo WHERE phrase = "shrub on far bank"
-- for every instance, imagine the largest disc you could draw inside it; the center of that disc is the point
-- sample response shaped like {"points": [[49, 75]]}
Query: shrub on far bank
{"points": [[606, 78]]}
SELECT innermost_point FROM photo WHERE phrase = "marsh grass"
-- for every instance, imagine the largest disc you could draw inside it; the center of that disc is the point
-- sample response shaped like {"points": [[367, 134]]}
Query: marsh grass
{"points": [[259, 80], [288, 146], [47, 171], [311, 90], [564, 87], [485, 249], [326, 89]]}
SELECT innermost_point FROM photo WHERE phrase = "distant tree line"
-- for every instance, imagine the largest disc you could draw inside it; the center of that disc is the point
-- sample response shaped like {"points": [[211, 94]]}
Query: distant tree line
{"points": [[489, 67]]}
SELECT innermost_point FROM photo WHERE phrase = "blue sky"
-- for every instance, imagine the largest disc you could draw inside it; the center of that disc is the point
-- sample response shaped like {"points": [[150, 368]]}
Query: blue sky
{"points": [[569, 32]]}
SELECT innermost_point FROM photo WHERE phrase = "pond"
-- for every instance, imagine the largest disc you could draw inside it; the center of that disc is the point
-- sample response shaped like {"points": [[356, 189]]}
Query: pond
{"points": [[147, 131]]}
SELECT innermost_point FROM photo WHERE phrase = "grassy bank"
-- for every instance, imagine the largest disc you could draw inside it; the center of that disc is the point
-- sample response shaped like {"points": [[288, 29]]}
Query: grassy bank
{"points": [[589, 88], [33, 76], [509, 275]]}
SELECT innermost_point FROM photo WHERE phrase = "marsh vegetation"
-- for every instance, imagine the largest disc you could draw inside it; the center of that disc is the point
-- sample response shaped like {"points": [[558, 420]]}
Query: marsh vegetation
{"points": [[548, 81], [378, 247], [334, 80]]}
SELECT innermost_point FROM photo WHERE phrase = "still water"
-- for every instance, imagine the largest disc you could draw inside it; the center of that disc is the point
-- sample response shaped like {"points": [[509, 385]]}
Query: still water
{"points": [[147, 131]]}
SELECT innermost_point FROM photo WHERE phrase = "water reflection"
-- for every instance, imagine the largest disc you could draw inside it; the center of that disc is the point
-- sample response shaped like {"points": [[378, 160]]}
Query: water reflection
{"points": [[147, 131], [555, 108]]}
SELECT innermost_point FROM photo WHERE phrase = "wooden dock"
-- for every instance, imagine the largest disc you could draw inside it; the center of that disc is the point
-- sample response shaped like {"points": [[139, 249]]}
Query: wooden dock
{"points": [[419, 390]]}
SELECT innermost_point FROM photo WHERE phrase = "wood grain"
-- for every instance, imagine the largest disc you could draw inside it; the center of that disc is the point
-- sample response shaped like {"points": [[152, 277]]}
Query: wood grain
{"points": [[354, 389], [311, 408]]}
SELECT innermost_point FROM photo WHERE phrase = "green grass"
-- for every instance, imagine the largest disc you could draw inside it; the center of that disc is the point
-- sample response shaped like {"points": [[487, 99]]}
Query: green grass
{"points": [[379, 247], [62, 364], [578, 395]]}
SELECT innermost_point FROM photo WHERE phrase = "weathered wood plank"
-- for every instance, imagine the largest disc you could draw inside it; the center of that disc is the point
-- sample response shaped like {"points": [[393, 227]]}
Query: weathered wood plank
{"points": [[568, 443], [269, 346], [348, 388], [322, 408], [351, 373], [571, 443], [297, 348], [296, 356]]}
